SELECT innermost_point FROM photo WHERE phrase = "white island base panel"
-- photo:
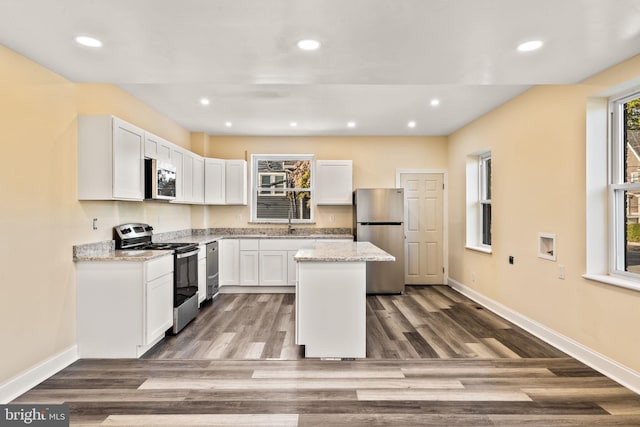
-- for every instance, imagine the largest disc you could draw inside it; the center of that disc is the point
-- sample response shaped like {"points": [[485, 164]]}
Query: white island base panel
{"points": [[331, 309]]}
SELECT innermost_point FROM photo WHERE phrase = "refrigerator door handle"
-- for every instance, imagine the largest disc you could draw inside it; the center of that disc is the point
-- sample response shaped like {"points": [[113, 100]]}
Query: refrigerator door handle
{"points": [[380, 223]]}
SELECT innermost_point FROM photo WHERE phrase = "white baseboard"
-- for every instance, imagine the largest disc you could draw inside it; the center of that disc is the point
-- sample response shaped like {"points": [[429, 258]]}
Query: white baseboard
{"points": [[612, 369], [36, 374]]}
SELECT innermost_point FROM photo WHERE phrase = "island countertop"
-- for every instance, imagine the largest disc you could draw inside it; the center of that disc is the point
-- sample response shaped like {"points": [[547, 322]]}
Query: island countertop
{"points": [[342, 252]]}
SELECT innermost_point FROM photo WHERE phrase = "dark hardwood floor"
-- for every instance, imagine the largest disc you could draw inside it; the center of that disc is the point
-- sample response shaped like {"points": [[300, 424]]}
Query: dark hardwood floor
{"points": [[433, 358]]}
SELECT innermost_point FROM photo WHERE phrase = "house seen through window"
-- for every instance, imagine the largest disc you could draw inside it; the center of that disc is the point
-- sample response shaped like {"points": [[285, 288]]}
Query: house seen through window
{"points": [[625, 184], [282, 189]]}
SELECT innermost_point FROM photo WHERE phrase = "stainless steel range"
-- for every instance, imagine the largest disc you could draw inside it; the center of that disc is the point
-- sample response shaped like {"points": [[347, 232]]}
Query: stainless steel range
{"points": [[137, 236]]}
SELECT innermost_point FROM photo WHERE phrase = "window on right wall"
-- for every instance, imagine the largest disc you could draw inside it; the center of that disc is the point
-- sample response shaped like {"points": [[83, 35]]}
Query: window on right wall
{"points": [[478, 231], [485, 199], [624, 187]]}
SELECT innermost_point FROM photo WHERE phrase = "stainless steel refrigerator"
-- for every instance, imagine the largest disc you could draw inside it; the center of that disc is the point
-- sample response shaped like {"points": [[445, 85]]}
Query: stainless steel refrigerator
{"points": [[378, 217]]}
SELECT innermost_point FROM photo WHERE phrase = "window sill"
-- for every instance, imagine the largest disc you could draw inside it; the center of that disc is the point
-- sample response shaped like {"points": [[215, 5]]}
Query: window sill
{"points": [[634, 285], [484, 250]]}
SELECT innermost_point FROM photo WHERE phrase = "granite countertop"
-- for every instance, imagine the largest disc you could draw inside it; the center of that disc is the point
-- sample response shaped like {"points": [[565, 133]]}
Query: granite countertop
{"points": [[105, 250], [208, 238], [343, 252], [120, 255]]}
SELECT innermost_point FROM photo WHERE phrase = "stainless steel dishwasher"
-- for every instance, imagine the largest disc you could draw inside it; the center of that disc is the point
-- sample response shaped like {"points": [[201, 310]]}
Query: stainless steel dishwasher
{"points": [[212, 270]]}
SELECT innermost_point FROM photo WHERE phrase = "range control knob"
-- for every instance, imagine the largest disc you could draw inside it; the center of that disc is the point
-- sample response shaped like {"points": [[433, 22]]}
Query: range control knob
{"points": [[148, 228], [126, 230]]}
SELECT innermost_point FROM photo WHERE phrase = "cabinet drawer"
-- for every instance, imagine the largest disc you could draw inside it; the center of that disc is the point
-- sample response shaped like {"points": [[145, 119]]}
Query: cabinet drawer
{"points": [[285, 244], [249, 244], [158, 267]]}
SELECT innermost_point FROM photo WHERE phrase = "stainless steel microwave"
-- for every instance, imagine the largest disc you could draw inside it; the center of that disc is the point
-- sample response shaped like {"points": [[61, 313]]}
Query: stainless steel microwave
{"points": [[160, 180]]}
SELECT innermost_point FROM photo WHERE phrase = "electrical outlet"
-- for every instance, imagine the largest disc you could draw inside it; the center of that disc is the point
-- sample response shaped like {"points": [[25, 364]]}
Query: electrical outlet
{"points": [[511, 259], [561, 272], [332, 218], [473, 277], [95, 223]]}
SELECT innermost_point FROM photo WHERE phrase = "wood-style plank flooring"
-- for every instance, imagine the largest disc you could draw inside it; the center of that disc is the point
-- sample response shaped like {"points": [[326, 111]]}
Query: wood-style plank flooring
{"points": [[435, 359], [424, 322]]}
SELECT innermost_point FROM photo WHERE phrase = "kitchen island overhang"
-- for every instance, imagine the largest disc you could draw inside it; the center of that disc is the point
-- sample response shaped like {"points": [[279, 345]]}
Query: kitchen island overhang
{"points": [[331, 293]]}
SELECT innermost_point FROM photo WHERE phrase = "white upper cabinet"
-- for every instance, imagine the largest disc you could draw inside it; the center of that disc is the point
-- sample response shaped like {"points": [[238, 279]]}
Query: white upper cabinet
{"points": [[111, 155], [225, 182], [198, 179], [156, 147], [236, 182], [177, 158], [214, 181], [110, 159], [187, 177], [334, 182]]}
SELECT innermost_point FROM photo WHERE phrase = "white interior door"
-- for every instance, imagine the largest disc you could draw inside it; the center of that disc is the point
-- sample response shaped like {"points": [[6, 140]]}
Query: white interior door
{"points": [[424, 259]]}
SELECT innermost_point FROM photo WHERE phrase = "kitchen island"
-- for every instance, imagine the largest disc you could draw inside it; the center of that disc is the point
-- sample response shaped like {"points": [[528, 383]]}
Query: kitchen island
{"points": [[331, 293]]}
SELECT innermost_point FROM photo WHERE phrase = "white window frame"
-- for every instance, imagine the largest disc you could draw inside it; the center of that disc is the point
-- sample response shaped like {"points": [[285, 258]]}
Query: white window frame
{"points": [[600, 232], [617, 187], [254, 187], [484, 181], [476, 198]]}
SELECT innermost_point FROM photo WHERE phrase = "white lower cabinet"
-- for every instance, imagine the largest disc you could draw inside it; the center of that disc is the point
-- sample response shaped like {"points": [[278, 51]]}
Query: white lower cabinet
{"points": [[249, 268], [229, 262], [123, 307], [292, 271], [273, 268], [260, 262], [202, 273], [249, 272], [158, 318]]}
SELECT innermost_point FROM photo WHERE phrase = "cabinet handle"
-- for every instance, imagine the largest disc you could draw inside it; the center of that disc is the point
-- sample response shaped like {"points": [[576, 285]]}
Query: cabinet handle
{"points": [[188, 254]]}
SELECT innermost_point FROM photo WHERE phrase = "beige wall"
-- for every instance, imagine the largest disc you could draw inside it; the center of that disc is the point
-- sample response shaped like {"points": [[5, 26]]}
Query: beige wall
{"points": [[40, 216], [375, 160], [538, 149]]}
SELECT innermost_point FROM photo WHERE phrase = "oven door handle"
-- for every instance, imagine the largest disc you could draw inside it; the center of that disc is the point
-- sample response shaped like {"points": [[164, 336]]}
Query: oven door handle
{"points": [[188, 254]]}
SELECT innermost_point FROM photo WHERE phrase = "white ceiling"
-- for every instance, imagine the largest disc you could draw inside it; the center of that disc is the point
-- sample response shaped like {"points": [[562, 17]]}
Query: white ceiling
{"points": [[380, 64]]}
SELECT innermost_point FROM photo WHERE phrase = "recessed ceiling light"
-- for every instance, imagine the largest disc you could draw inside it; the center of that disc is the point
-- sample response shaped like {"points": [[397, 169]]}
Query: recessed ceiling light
{"points": [[293, 124], [411, 124], [435, 102], [205, 101], [88, 41], [309, 44], [530, 46], [228, 124], [351, 124]]}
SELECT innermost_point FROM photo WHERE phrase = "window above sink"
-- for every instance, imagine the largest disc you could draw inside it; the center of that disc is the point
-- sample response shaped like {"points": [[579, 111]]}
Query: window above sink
{"points": [[282, 188]]}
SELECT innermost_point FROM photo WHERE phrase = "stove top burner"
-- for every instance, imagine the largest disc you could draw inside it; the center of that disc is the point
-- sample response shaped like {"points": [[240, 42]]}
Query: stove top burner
{"points": [[178, 247]]}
